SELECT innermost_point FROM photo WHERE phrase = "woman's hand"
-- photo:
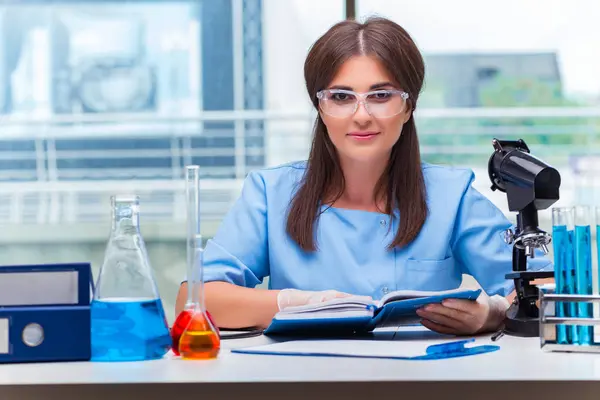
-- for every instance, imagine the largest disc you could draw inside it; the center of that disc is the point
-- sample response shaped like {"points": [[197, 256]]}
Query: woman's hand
{"points": [[465, 317]]}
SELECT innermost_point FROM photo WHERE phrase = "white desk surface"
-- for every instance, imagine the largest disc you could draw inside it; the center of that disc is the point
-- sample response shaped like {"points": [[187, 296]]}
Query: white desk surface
{"points": [[519, 367]]}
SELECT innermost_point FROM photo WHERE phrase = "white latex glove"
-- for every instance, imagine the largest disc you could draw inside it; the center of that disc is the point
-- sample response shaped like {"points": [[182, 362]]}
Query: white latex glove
{"points": [[465, 317], [293, 297]]}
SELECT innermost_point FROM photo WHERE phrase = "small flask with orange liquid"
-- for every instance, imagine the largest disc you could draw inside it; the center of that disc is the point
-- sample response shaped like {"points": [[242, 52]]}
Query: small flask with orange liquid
{"points": [[200, 339], [194, 335]]}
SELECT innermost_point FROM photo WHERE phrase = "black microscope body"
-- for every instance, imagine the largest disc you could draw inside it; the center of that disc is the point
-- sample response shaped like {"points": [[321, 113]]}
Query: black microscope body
{"points": [[530, 185]]}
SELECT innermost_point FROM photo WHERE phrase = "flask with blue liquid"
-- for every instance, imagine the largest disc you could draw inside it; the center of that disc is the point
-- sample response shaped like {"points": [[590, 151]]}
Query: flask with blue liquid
{"points": [[128, 318]]}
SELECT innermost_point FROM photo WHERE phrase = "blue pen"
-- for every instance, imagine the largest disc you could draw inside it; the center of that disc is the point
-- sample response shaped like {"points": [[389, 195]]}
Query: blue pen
{"points": [[455, 349]]}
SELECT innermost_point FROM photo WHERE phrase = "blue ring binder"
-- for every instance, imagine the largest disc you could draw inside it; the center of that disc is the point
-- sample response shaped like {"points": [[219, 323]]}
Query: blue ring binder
{"points": [[63, 328]]}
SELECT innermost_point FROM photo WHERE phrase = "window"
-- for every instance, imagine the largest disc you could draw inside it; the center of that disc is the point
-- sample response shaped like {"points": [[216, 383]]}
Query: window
{"points": [[510, 70], [105, 97]]}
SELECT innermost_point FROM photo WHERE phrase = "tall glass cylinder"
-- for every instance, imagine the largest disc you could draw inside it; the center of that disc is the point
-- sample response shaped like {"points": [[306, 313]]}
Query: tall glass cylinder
{"points": [[194, 239], [563, 235], [192, 207], [583, 262], [193, 334], [200, 338], [596, 309], [598, 242]]}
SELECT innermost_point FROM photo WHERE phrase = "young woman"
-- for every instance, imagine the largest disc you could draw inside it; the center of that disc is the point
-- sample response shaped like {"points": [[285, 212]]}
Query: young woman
{"points": [[363, 216]]}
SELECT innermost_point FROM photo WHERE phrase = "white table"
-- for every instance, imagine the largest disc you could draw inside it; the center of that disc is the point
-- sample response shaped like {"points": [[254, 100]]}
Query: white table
{"points": [[520, 369]]}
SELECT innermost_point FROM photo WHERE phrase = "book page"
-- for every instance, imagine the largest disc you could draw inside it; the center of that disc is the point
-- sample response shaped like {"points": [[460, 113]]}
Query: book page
{"points": [[325, 314], [413, 294], [338, 304]]}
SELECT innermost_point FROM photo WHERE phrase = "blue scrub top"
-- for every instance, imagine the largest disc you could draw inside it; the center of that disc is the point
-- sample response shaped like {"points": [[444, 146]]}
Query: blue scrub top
{"points": [[462, 234]]}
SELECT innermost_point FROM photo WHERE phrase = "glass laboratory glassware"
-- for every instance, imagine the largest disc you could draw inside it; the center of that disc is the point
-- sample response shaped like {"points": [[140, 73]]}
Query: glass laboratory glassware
{"points": [[596, 329], [199, 338], [128, 319], [564, 269], [583, 269], [598, 240], [192, 202]]}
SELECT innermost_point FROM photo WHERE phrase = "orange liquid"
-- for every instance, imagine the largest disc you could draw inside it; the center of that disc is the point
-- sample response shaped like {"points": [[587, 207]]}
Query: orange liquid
{"points": [[200, 340]]}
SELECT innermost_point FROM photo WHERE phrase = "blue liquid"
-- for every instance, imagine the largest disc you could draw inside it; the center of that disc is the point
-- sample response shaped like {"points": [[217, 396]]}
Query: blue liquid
{"points": [[583, 256], [129, 330], [564, 275], [598, 249]]}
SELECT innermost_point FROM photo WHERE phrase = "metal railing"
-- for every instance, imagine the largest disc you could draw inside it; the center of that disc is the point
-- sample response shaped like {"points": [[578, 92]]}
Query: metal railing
{"points": [[62, 169]]}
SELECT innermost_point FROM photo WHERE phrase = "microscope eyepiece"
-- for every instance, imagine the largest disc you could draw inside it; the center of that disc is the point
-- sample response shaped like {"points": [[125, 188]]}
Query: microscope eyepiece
{"points": [[524, 178]]}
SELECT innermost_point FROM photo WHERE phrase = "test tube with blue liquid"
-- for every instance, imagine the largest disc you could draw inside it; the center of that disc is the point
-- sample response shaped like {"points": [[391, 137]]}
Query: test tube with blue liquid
{"points": [[598, 241], [583, 262], [563, 236], [598, 257]]}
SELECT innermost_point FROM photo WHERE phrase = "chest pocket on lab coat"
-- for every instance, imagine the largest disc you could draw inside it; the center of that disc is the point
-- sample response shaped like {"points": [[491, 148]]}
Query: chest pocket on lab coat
{"points": [[427, 274]]}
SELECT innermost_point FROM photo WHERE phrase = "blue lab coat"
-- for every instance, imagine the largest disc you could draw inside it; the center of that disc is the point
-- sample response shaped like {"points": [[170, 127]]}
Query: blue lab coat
{"points": [[462, 235]]}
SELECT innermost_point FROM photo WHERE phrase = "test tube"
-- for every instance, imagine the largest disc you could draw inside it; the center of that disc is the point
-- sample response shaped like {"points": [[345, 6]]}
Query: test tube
{"points": [[597, 240], [564, 269], [583, 269], [596, 330]]}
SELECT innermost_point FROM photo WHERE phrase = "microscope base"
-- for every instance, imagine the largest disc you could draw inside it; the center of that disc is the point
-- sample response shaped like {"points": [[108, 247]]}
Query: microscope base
{"points": [[522, 327], [522, 317]]}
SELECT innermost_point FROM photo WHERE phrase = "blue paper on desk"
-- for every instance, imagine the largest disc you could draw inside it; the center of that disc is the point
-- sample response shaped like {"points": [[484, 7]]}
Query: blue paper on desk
{"points": [[351, 315], [398, 350]]}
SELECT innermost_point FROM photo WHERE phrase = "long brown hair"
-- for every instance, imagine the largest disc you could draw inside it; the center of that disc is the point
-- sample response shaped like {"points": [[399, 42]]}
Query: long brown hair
{"points": [[402, 185]]}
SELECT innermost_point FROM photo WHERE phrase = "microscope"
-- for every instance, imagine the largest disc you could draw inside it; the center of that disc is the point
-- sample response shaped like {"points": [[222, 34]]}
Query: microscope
{"points": [[530, 185]]}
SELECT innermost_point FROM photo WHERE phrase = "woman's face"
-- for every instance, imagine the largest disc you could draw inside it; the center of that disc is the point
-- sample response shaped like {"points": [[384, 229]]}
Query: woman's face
{"points": [[359, 135]]}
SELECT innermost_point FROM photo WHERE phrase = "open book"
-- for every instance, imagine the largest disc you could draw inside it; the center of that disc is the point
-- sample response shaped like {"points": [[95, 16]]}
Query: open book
{"points": [[357, 314]]}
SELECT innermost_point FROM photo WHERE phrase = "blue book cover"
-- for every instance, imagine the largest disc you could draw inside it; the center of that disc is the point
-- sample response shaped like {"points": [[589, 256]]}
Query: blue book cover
{"points": [[352, 315]]}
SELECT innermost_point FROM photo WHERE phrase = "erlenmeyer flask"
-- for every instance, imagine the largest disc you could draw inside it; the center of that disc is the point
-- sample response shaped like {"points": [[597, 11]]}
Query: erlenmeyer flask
{"points": [[128, 318]]}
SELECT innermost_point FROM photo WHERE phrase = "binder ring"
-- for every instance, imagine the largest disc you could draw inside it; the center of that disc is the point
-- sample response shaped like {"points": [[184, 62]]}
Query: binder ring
{"points": [[33, 334]]}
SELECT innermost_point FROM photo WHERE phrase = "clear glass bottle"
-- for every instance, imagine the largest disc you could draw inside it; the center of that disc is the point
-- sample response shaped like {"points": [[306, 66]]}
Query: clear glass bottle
{"points": [[128, 318]]}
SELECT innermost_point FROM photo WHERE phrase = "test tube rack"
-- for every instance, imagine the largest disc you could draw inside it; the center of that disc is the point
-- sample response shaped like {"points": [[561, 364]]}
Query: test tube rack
{"points": [[549, 321]]}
